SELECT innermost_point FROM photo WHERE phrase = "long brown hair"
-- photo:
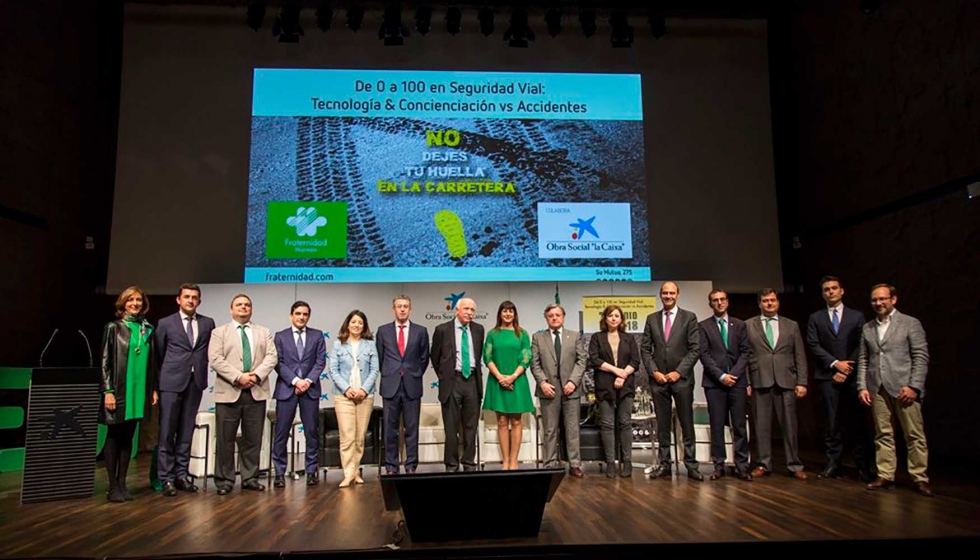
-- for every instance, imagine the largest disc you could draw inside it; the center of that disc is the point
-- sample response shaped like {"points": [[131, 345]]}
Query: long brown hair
{"points": [[604, 326], [345, 332], [124, 297], [500, 322]]}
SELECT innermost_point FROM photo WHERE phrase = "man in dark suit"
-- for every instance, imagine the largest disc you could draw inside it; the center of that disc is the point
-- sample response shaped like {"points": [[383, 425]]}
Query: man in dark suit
{"points": [[671, 347], [777, 375], [457, 350], [403, 355], [302, 357], [182, 349], [725, 359], [834, 337]]}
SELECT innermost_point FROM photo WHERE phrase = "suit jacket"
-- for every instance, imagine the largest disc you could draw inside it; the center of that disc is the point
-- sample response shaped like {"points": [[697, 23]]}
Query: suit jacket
{"points": [[828, 347], [900, 359], [291, 365], [628, 354], [443, 357], [225, 355], [544, 363], [717, 360], [395, 367], [784, 365], [176, 356], [680, 353]]}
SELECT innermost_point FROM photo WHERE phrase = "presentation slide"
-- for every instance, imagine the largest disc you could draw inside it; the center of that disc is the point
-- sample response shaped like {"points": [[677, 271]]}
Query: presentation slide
{"points": [[404, 176]]}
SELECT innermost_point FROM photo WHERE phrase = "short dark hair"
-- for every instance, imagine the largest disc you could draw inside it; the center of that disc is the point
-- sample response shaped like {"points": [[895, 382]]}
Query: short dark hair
{"points": [[189, 286], [716, 291], [826, 279], [892, 291], [765, 292], [298, 304], [241, 295]]}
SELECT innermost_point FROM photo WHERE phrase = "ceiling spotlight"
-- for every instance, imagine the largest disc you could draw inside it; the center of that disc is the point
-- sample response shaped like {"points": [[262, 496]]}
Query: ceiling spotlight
{"points": [[355, 17], [658, 22], [423, 20], [287, 26], [869, 6], [324, 16], [622, 31], [454, 20], [519, 33], [392, 30], [485, 17], [255, 13], [587, 19], [553, 19]]}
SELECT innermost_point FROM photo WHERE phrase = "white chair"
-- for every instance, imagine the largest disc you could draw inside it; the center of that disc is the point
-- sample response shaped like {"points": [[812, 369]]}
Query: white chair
{"points": [[490, 446], [204, 446], [432, 436]]}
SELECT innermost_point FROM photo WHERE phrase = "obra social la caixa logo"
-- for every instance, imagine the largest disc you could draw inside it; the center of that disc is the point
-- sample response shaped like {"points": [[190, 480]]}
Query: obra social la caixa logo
{"points": [[304, 230], [449, 309]]}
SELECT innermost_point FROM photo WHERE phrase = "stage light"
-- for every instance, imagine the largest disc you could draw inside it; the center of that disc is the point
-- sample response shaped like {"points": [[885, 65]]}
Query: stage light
{"points": [[622, 32], [658, 22], [485, 17], [519, 34], [287, 26], [355, 17], [553, 19], [869, 6], [255, 13], [586, 18], [423, 20], [392, 30], [454, 20], [324, 16]]}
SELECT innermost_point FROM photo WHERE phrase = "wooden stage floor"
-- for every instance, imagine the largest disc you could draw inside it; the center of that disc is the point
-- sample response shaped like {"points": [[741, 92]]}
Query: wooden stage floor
{"points": [[590, 511]]}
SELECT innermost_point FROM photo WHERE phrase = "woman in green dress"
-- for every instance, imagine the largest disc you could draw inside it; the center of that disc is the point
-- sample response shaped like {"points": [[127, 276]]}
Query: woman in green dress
{"points": [[129, 384], [507, 354]]}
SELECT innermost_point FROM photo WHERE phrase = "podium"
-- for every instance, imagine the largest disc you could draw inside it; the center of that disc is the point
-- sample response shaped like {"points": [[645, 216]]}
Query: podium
{"points": [[62, 431]]}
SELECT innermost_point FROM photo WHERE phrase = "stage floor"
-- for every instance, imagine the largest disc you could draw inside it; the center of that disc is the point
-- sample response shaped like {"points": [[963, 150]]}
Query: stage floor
{"points": [[590, 511]]}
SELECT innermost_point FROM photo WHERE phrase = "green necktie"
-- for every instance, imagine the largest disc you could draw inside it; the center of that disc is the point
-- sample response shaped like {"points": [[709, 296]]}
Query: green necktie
{"points": [[770, 338], [464, 353], [246, 351], [724, 331]]}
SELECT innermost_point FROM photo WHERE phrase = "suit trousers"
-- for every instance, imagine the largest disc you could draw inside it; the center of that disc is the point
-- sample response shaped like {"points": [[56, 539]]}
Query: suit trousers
{"points": [[250, 414], [728, 405], [784, 402], [461, 409], [398, 409], [178, 417], [886, 408], [614, 421], [684, 404], [352, 422], [561, 411], [309, 414], [846, 418]]}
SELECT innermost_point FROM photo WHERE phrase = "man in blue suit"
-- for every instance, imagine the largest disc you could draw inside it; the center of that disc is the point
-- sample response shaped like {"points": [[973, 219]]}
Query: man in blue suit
{"points": [[403, 355], [725, 360], [834, 337], [182, 349], [302, 357]]}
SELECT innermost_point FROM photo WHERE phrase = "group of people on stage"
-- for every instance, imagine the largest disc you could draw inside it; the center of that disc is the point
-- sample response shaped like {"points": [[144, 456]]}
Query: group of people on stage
{"points": [[880, 363]]}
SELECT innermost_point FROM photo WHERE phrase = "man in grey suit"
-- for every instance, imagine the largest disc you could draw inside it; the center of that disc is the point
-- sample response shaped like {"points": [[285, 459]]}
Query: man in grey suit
{"points": [[558, 364], [891, 378], [671, 347], [777, 375]]}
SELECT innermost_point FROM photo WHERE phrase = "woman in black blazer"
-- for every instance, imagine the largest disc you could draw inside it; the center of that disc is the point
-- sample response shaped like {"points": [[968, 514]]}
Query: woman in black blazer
{"points": [[615, 357]]}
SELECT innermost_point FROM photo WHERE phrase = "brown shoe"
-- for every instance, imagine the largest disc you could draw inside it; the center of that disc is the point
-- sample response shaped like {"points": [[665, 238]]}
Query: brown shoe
{"points": [[759, 471], [576, 472], [925, 489], [881, 484], [799, 475]]}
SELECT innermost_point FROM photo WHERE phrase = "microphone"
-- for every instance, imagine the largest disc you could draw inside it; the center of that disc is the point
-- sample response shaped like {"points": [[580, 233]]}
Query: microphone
{"points": [[40, 361], [87, 347]]}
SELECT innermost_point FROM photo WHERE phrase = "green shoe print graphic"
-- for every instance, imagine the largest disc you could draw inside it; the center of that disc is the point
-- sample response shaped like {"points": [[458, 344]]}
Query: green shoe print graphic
{"points": [[451, 228]]}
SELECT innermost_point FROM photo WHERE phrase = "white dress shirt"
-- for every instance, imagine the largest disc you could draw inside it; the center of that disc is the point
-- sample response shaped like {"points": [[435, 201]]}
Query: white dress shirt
{"points": [[183, 323], [775, 328], [297, 334], [459, 344], [673, 319], [883, 326], [840, 313]]}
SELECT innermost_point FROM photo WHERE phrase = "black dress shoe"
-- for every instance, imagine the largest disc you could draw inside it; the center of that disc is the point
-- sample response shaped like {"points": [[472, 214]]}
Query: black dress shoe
{"points": [[116, 496], [718, 473], [661, 472], [279, 482], [253, 485], [185, 485], [626, 470], [224, 490], [125, 494], [169, 489], [830, 472], [865, 476], [744, 475], [312, 480], [695, 474]]}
